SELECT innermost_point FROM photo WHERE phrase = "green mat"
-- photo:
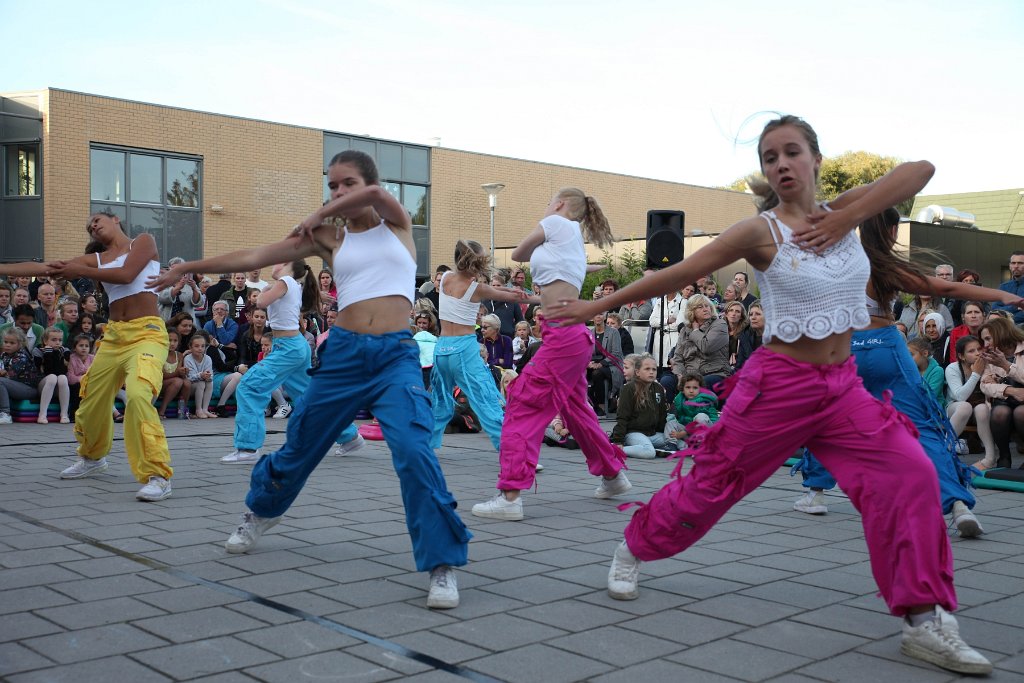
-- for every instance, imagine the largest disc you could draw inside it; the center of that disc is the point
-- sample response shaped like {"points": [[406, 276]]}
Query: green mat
{"points": [[1013, 482]]}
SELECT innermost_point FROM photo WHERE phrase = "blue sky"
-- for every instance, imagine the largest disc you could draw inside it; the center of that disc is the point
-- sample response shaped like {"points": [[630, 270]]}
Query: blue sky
{"points": [[663, 89]]}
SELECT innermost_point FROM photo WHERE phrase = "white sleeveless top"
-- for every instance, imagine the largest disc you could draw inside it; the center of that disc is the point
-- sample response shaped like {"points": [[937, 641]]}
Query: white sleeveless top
{"points": [[561, 256], [373, 264], [116, 292], [807, 295], [283, 314], [461, 311]]}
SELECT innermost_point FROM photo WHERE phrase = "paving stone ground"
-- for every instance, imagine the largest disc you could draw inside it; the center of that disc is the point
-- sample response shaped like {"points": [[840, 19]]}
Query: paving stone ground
{"points": [[95, 586]]}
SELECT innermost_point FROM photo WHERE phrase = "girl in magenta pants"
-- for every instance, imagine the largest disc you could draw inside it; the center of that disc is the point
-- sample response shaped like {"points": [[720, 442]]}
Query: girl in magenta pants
{"points": [[801, 388], [554, 381]]}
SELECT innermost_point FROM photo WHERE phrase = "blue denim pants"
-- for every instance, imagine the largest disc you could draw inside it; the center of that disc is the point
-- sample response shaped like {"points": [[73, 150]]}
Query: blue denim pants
{"points": [[380, 373], [457, 363], [884, 363]]}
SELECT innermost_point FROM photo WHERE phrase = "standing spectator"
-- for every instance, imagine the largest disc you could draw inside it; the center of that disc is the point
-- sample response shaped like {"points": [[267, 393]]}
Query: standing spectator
{"points": [[606, 288], [6, 310], [201, 311], [736, 317], [742, 284], [665, 335], [956, 305], [46, 312], [328, 290], [604, 372], [237, 296], [636, 310], [508, 312], [518, 282], [254, 281], [1015, 285], [183, 296], [217, 289]]}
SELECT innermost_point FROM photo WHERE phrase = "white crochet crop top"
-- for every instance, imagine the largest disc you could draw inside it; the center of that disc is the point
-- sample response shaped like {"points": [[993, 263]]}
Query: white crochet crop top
{"points": [[807, 295], [561, 256], [461, 311], [116, 292], [372, 264]]}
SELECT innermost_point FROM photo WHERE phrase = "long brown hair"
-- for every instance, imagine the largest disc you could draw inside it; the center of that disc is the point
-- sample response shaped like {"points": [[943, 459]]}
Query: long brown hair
{"points": [[585, 209], [1005, 335], [889, 268], [303, 274]]}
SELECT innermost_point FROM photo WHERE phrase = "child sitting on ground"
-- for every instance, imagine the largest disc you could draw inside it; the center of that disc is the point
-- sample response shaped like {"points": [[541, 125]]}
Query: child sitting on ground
{"points": [[52, 360], [642, 412], [556, 434], [694, 406]]}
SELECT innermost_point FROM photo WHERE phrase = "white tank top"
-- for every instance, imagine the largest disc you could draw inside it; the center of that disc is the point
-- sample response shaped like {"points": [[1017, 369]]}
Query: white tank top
{"points": [[116, 292], [283, 314], [461, 311], [373, 264], [807, 295]]}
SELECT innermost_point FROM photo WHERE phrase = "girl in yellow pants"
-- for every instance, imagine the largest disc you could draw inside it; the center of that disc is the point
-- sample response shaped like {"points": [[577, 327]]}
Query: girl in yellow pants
{"points": [[132, 352]]}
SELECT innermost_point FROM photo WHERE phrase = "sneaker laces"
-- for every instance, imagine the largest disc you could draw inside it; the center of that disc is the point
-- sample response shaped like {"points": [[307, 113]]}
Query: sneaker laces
{"points": [[439, 577], [948, 633]]}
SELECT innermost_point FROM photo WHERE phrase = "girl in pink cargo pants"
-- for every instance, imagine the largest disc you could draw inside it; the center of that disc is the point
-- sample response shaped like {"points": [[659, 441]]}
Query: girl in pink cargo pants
{"points": [[802, 388], [555, 381]]}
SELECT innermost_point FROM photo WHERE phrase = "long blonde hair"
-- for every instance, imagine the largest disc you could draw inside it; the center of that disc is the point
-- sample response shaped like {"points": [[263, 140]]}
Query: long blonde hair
{"points": [[586, 210]]}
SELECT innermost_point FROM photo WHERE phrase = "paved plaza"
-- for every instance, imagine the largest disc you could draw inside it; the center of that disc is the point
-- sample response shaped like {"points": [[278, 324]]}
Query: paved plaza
{"points": [[95, 586]]}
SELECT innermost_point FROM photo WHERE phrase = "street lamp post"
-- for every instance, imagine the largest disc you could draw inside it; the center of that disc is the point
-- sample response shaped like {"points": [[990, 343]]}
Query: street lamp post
{"points": [[492, 190]]}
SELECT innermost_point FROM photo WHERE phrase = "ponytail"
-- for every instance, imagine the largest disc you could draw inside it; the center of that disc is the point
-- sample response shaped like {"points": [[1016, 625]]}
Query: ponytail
{"points": [[310, 286], [470, 258], [586, 210], [766, 197]]}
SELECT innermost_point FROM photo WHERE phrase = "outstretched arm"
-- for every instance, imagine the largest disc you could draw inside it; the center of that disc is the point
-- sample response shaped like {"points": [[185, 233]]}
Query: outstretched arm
{"points": [[738, 241], [24, 269], [288, 249], [856, 205], [936, 286], [143, 250], [488, 293]]}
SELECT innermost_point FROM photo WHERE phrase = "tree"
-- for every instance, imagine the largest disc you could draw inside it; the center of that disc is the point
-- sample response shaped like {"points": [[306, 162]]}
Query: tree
{"points": [[840, 173]]}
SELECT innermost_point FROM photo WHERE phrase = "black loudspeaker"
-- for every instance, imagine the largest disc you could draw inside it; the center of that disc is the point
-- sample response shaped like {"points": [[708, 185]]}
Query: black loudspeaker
{"points": [[664, 238]]}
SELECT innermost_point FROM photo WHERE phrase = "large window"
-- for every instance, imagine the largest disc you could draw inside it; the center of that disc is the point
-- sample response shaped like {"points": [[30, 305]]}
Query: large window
{"points": [[405, 173], [151, 192], [22, 170]]}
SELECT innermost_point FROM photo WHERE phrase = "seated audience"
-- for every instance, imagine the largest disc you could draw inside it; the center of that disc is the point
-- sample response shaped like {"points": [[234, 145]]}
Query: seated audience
{"points": [[751, 336], [642, 412], [703, 347], [965, 398], [1003, 382], [499, 346]]}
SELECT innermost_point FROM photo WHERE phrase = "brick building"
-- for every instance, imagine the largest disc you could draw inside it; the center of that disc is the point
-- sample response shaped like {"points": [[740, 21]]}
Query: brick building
{"points": [[207, 183]]}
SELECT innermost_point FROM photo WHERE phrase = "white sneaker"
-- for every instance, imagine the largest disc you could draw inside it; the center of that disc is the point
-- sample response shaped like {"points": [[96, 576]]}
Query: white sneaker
{"points": [[624, 574], [444, 591], [239, 457], [282, 412], [812, 502], [965, 521], [158, 488], [613, 487], [84, 467], [5, 419], [500, 507], [538, 468], [350, 446], [961, 447], [248, 532], [939, 642]]}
